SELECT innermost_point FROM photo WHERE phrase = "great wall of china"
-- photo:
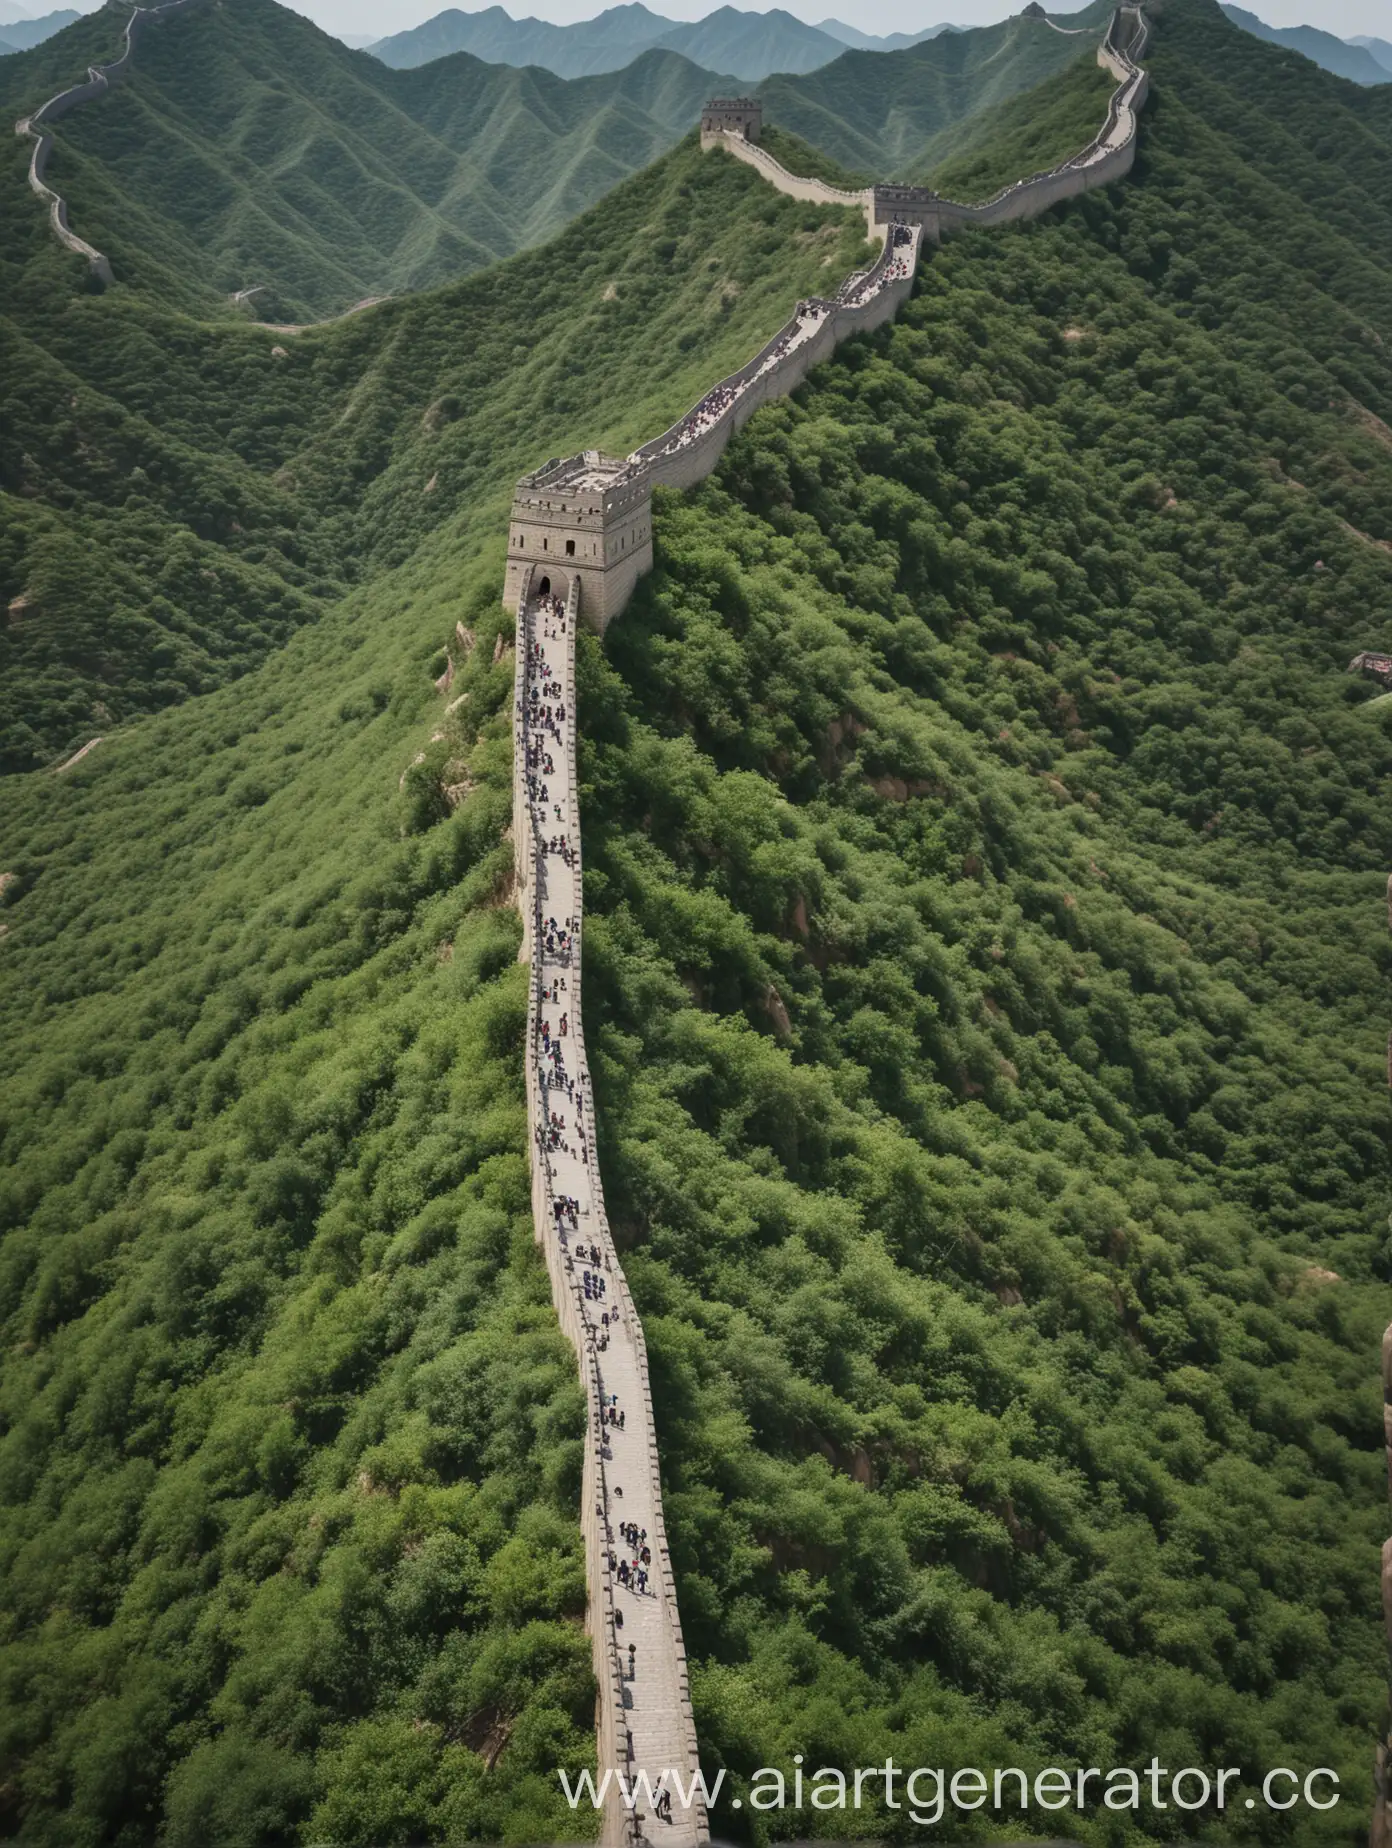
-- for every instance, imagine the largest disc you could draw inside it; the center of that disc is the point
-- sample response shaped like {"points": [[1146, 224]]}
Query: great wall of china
{"points": [[581, 530], [589, 516], [580, 537], [100, 79]]}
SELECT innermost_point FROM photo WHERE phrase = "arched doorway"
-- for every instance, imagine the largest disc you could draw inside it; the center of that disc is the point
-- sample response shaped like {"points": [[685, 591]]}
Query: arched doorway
{"points": [[544, 587]]}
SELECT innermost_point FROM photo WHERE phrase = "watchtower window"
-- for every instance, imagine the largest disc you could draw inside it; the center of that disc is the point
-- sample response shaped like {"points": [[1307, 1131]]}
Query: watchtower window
{"points": [[546, 545], [570, 548]]}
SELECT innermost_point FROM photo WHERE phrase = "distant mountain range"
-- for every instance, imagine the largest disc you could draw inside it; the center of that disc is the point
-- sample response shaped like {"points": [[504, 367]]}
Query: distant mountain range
{"points": [[343, 179], [1355, 59], [750, 46], [348, 179], [18, 34], [1380, 48]]}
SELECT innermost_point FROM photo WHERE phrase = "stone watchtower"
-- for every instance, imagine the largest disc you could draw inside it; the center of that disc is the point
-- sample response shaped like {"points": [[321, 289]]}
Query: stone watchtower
{"points": [[731, 115], [589, 517]]}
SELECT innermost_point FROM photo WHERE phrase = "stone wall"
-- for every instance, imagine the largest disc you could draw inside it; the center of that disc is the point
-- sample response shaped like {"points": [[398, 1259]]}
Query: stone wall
{"points": [[818, 192], [667, 1714], [100, 78], [771, 375], [1109, 156], [586, 500], [614, 555]]}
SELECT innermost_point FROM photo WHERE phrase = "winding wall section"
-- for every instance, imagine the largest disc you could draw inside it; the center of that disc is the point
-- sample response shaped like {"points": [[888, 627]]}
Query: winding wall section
{"points": [[581, 528], [644, 1719], [100, 78], [1108, 156]]}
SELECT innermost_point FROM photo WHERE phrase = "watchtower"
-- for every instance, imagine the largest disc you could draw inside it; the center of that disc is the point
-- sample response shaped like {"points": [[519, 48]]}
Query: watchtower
{"points": [[731, 115], [590, 517]]}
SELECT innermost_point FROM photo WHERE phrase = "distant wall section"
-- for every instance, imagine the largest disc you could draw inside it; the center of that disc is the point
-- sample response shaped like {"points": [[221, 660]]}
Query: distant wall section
{"points": [[100, 78], [588, 518]]}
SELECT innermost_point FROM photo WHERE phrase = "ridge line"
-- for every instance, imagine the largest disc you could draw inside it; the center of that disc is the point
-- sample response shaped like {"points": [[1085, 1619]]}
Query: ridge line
{"points": [[596, 512]]}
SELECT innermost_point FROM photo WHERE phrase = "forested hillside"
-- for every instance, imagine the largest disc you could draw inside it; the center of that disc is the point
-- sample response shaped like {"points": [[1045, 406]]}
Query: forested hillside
{"points": [[248, 477], [900, 115], [251, 149], [985, 852]]}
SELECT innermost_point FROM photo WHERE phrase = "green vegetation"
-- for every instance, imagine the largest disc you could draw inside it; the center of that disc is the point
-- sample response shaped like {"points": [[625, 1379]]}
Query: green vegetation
{"points": [[1021, 136], [899, 115], [970, 160], [799, 156], [250, 149], [985, 852], [244, 477]]}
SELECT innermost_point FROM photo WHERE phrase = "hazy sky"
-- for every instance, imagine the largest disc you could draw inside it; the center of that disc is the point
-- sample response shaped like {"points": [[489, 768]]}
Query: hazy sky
{"points": [[379, 17]]}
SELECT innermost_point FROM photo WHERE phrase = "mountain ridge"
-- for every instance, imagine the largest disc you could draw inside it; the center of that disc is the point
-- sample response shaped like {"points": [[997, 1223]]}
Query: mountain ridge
{"points": [[749, 45], [247, 151], [1341, 57], [248, 131], [985, 949]]}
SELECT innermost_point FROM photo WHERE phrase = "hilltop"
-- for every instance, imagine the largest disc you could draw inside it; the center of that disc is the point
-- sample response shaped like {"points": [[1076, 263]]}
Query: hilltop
{"points": [[751, 45], [897, 115], [985, 866], [251, 149]]}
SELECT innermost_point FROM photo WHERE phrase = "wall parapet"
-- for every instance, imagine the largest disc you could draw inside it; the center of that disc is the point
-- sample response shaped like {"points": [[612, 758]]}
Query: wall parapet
{"points": [[590, 515], [582, 502], [100, 78], [644, 1717]]}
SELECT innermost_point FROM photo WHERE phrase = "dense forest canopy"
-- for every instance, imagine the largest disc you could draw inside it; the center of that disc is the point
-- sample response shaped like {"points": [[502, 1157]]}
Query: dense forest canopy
{"points": [[255, 475], [985, 850]]}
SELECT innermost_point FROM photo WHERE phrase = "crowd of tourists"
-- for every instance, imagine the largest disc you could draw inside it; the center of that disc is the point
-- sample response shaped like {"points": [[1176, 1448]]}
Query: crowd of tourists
{"points": [[561, 1130], [854, 293]]}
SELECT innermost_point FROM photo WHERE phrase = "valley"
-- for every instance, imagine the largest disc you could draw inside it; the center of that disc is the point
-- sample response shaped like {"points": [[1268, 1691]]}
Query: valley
{"points": [[983, 933]]}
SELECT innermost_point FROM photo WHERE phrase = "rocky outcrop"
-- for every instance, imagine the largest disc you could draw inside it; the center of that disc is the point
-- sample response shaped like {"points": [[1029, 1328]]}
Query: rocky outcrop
{"points": [[100, 78]]}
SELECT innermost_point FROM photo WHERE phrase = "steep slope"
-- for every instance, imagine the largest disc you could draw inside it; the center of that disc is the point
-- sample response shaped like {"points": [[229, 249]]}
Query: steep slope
{"points": [[973, 158], [986, 951], [889, 115], [1340, 56], [132, 435], [251, 150], [605, 43], [1380, 49], [753, 45]]}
